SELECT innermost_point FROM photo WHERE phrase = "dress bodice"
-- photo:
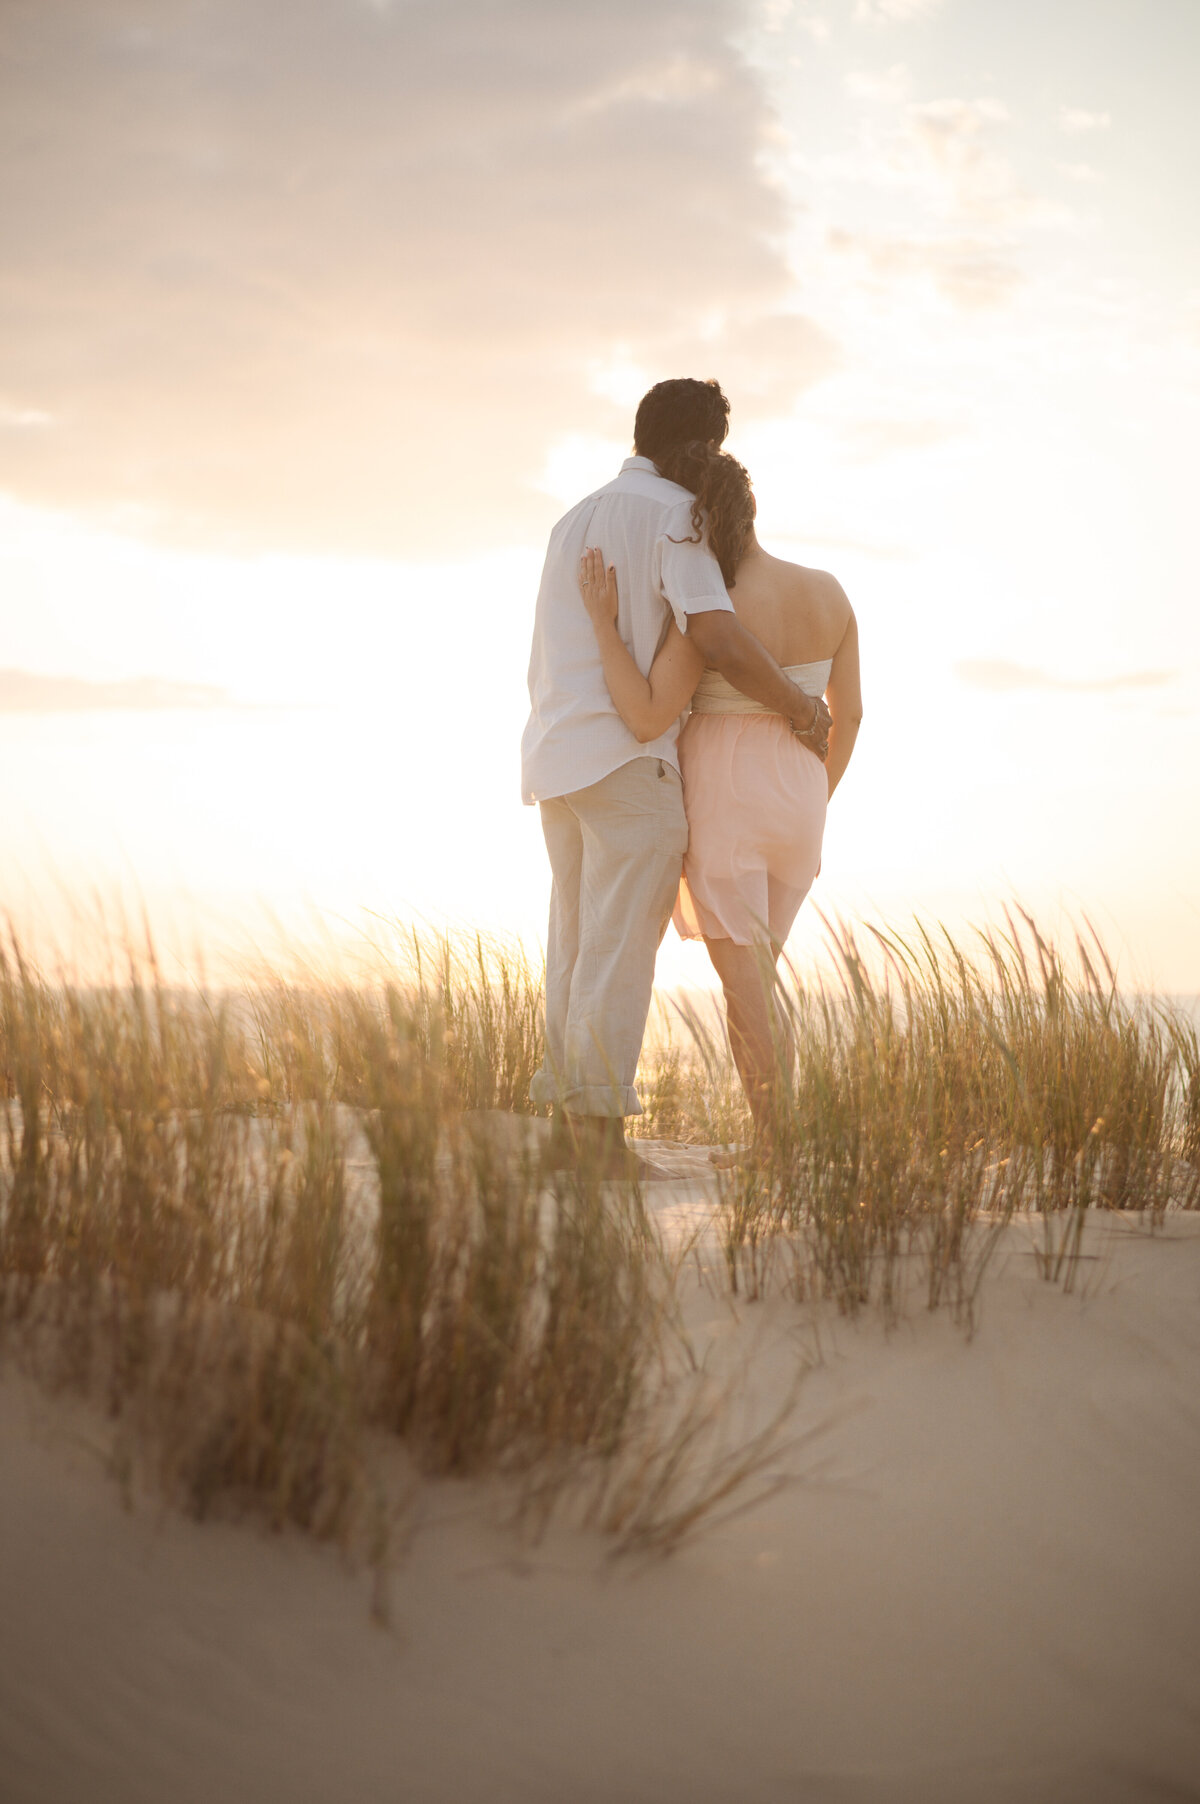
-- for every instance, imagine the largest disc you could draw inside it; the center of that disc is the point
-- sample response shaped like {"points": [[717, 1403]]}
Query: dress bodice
{"points": [[716, 696]]}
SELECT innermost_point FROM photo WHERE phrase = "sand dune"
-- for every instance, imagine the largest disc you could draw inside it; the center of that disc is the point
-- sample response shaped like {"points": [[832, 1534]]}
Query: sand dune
{"points": [[980, 1582]]}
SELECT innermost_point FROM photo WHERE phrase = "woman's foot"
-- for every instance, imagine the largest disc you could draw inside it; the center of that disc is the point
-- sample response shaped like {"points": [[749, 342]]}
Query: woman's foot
{"points": [[728, 1158]]}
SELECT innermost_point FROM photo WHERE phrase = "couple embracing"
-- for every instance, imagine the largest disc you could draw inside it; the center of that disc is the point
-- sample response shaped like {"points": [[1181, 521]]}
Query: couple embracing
{"points": [[657, 598]]}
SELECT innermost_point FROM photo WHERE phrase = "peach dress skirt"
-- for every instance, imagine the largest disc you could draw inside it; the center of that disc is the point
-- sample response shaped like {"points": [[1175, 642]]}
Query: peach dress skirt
{"points": [[755, 798]]}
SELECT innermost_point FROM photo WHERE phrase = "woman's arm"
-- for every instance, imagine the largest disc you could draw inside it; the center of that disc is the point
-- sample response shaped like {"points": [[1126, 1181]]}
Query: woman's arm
{"points": [[844, 696], [647, 705]]}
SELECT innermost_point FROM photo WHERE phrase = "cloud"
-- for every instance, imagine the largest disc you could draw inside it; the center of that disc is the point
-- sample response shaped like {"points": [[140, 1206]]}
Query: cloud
{"points": [[974, 274], [893, 12], [888, 85], [312, 275], [815, 26], [22, 419], [27, 692], [946, 155], [1002, 677], [945, 125], [1075, 120], [941, 153], [948, 140]]}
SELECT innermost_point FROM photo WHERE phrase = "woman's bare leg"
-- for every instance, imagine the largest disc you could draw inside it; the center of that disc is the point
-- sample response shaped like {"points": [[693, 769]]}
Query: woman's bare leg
{"points": [[759, 1039]]}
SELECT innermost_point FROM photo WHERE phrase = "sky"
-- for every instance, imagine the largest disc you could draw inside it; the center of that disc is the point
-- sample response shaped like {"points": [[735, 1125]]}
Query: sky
{"points": [[315, 315]]}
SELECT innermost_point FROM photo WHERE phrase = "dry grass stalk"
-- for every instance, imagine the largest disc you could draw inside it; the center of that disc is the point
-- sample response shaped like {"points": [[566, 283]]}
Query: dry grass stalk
{"points": [[936, 1095], [260, 1224], [186, 1232]]}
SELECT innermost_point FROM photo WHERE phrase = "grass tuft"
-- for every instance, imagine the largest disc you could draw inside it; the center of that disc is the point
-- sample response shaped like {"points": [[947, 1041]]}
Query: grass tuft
{"points": [[266, 1226], [939, 1093]]}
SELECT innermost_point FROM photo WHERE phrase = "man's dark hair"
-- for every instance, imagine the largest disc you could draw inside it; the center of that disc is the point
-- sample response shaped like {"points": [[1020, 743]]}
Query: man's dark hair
{"points": [[677, 413]]}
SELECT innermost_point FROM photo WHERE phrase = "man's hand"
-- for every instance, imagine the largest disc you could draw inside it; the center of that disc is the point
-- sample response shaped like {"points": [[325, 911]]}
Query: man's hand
{"points": [[816, 736], [598, 587]]}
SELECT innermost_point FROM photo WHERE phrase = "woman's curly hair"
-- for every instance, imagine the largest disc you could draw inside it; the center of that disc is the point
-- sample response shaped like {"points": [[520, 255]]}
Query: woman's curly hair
{"points": [[723, 509]]}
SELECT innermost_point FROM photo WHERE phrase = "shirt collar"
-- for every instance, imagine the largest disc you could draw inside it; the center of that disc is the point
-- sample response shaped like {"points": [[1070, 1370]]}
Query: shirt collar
{"points": [[640, 463]]}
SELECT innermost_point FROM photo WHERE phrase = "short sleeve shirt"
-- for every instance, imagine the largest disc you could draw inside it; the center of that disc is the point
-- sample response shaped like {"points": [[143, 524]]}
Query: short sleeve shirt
{"points": [[643, 525]]}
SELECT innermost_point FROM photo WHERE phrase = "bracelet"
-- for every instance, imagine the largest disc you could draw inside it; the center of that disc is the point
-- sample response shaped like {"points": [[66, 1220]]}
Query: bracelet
{"points": [[806, 732]]}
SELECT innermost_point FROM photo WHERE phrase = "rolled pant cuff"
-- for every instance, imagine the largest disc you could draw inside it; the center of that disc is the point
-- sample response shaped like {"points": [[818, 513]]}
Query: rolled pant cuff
{"points": [[584, 1099]]}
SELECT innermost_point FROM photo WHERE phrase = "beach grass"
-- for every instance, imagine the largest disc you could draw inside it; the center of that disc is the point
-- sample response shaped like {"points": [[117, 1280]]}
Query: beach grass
{"points": [[274, 1227], [259, 1225], [933, 1089]]}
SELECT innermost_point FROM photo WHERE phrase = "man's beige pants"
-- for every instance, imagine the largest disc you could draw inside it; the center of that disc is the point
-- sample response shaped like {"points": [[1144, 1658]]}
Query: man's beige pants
{"points": [[616, 852]]}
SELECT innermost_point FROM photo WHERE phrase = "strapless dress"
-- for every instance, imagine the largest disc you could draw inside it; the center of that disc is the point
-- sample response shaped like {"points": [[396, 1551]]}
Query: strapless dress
{"points": [[755, 797]]}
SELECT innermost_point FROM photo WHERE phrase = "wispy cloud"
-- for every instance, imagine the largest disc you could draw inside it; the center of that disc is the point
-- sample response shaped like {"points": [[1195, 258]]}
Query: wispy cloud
{"points": [[1075, 120], [973, 273], [29, 692], [968, 204], [886, 85], [1000, 675], [951, 141], [15, 418], [814, 26], [893, 12], [773, 15]]}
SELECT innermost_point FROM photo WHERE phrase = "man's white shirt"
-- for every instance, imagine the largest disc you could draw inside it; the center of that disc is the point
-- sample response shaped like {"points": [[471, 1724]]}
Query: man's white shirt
{"points": [[643, 525]]}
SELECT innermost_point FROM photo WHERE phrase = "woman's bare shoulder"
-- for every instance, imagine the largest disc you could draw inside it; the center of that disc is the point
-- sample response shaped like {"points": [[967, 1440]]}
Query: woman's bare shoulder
{"points": [[817, 588]]}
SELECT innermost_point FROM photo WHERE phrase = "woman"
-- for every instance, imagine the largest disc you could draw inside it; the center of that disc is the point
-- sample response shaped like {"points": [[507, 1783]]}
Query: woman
{"points": [[755, 793]]}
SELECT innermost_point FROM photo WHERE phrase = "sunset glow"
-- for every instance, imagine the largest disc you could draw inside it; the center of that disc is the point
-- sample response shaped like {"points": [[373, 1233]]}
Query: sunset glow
{"points": [[316, 316]]}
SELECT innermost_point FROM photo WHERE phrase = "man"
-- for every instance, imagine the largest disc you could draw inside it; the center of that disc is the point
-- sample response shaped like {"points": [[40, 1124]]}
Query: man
{"points": [[612, 808]]}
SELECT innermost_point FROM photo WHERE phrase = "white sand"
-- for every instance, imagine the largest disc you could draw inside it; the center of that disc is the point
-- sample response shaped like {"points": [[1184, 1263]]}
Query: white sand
{"points": [[983, 1584]]}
